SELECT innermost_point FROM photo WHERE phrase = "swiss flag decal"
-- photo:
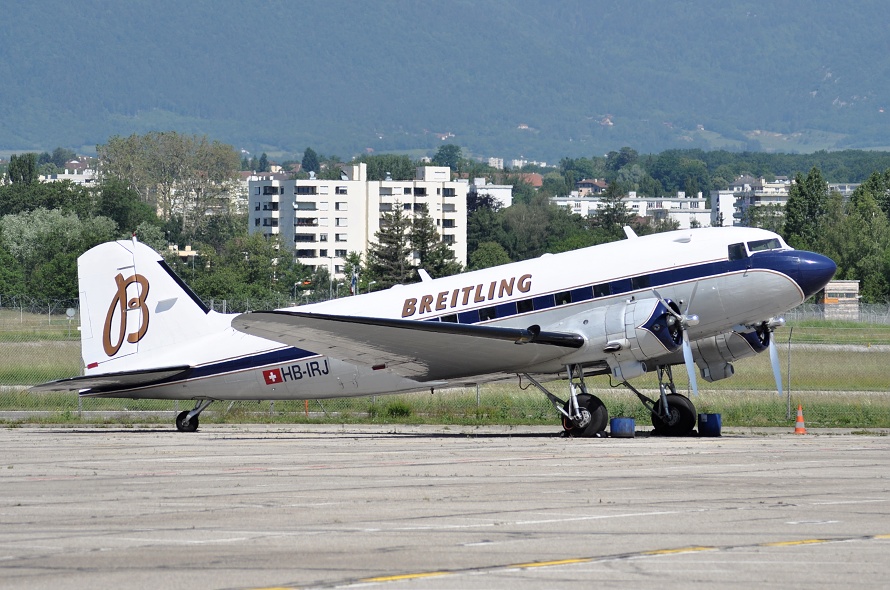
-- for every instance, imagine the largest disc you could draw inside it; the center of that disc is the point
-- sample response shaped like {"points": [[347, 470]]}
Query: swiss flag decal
{"points": [[272, 376]]}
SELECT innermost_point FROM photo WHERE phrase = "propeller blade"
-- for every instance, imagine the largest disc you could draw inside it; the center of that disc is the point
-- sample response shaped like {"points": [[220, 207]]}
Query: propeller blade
{"points": [[691, 297], [690, 363], [774, 359]]}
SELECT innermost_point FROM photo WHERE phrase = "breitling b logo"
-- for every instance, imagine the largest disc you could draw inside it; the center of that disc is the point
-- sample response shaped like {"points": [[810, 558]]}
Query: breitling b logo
{"points": [[121, 303]]}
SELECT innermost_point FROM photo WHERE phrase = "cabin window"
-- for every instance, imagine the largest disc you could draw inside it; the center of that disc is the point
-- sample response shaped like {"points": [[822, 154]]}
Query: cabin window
{"points": [[505, 310], [762, 245], [737, 252], [451, 319], [524, 306], [563, 298], [543, 302], [487, 313], [641, 282], [602, 290]]}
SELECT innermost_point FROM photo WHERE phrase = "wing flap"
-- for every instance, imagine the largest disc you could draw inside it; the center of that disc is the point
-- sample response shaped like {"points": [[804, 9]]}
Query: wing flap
{"points": [[418, 350]]}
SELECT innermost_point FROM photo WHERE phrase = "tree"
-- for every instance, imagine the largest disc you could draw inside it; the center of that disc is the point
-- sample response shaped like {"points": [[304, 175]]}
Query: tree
{"points": [[46, 244], [432, 254], [71, 198], [615, 161], [121, 203], [526, 228], [484, 224], [423, 236], [807, 202], [448, 155], [440, 261], [310, 161], [613, 215], [387, 258], [12, 280], [180, 174], [263, 163], [61, 156], [389, 165], [488, 254], [22, 169], [770, 217]]}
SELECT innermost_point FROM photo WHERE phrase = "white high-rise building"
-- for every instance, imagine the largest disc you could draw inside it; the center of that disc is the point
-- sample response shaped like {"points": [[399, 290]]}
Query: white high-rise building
{"points": [[324, 220]]}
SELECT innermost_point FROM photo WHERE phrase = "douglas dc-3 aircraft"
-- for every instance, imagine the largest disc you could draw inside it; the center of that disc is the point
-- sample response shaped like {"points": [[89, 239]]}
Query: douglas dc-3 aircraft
{"points": [[702, 297]]}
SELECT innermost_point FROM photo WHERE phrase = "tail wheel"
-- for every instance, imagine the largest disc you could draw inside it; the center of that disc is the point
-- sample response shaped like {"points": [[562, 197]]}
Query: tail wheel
{"points": [[594, 416], [681, 416]]}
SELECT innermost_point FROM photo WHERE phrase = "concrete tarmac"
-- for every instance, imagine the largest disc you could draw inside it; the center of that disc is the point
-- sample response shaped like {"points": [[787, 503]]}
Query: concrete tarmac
{"points": [[438, 507]]}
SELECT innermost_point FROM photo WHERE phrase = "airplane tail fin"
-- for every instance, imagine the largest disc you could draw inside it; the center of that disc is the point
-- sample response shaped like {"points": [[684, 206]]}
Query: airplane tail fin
{"points": [[135, 312]]}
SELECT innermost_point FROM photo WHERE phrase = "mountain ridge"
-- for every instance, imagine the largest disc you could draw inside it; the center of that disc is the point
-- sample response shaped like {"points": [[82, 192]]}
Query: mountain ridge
{"points": [[343, 77]]}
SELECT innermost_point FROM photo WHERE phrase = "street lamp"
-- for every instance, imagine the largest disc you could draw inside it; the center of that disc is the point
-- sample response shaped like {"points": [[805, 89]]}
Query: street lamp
{"points": [[369, 285]]}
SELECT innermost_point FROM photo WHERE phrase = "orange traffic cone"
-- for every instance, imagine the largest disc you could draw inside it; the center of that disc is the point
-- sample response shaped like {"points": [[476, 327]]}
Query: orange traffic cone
{"points": [[799, 428]]}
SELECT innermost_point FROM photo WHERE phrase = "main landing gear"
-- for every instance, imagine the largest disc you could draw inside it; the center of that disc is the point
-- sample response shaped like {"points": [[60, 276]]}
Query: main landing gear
{"points": [[584, 414], [187, 421], [673, 414]]}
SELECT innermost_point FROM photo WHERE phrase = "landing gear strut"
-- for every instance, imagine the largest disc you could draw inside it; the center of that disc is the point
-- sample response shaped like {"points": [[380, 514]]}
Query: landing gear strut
{"points": [[187, 421], [673, 414], [583, 414]]}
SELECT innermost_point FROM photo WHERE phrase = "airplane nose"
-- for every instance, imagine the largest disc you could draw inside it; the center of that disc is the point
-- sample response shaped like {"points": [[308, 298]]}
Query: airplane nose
{"points": [[814, 271]]}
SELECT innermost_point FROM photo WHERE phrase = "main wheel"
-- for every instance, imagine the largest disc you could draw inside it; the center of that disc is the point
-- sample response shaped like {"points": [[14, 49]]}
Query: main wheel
{"points": [[594, 416], [681, 419], [183, 424]]}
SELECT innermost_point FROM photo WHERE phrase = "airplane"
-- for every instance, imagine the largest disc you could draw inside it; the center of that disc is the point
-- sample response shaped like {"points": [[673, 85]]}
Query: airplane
{"points": [[701, 298]]}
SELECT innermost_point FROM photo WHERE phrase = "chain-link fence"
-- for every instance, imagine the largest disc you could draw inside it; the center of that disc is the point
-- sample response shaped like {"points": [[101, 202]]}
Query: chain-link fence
{"points": [[838, 371]]}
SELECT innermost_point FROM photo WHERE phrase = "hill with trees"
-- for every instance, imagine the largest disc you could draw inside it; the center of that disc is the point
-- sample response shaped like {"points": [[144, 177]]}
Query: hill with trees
{"points": [[502, 78]]}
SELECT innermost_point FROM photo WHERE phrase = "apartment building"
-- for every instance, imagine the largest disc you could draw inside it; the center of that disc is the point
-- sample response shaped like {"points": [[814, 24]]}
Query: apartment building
{"points": [[686, 211], [324, 220]]}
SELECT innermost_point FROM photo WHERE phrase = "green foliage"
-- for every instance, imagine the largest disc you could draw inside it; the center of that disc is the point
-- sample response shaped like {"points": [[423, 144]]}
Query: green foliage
{"points": [[389, 165], [45, 244], [488, 254], [388, 257], [176, 173], [117, 201], [21, 198], [22, 169], [432, 254], [807, 201], [449, 155], [613, 213], [310, 161], [246, 267]]}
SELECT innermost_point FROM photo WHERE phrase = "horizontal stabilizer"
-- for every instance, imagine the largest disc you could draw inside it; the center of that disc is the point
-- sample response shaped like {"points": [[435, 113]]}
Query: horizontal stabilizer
{"points": [[97, 384], [414, 349]]}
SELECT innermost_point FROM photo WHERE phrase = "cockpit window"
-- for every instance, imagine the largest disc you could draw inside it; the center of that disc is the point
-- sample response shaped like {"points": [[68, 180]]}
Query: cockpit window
{"points": [[737, 251], [762, 245]]}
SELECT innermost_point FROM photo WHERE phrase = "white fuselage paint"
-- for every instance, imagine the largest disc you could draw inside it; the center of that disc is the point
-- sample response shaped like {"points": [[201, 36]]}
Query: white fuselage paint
{"points": [[722, 301]]}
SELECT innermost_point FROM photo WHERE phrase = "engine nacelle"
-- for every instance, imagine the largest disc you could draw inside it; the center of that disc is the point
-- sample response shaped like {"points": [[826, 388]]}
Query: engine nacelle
{"points": [[628, 334], [713, 355]]}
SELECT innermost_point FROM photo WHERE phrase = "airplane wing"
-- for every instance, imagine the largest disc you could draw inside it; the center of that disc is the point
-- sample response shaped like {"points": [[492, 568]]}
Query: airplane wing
{"points": [[112, 381], [423, 351]]}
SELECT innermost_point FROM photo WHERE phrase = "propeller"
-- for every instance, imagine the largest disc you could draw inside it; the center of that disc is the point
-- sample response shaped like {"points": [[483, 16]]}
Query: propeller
{"points": [[686, 320], [769, 328]]}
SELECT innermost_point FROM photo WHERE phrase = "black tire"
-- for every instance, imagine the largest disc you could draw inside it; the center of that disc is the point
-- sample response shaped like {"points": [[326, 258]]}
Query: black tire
{"points": [[185, 425], [595, 416], [682, 416]]}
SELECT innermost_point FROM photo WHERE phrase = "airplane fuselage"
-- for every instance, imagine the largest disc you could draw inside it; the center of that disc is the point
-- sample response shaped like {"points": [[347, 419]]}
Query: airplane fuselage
{"points": [[714, 273]]}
